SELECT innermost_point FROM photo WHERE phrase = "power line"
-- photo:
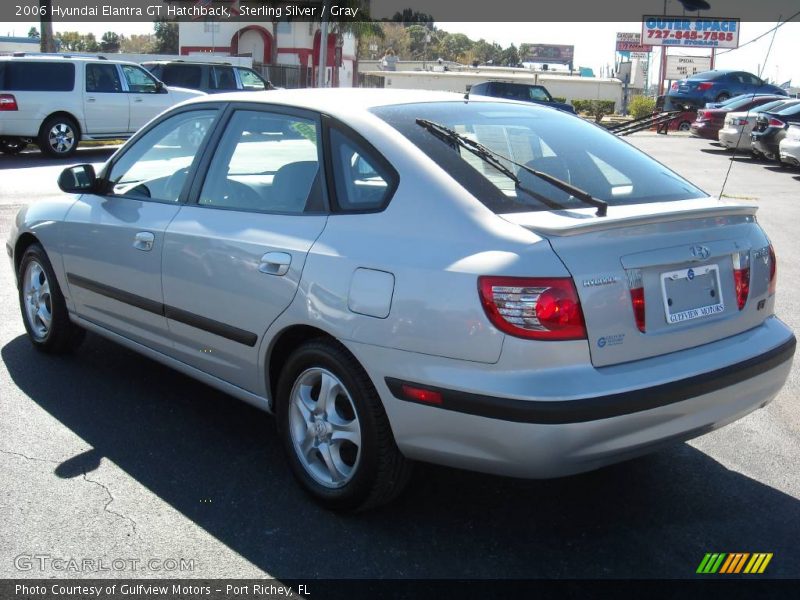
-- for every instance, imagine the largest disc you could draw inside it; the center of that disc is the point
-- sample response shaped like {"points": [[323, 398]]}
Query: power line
{"points": [[766, 33]]}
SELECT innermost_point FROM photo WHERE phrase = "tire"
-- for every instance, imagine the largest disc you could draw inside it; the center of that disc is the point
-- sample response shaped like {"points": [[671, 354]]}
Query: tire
{"points": [[723, 96], [59, 137], [354, 474], [684, 126], [12, 146], [42, 305]]}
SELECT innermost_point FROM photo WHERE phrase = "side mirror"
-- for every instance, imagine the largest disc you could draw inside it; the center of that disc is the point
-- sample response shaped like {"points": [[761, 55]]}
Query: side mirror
{"points": [[80, 179], [160, 87]]}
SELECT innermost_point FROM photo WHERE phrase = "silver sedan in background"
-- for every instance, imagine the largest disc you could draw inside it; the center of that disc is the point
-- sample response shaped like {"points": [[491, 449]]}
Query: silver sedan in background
{"points": [[403, 276], [735, 133]]}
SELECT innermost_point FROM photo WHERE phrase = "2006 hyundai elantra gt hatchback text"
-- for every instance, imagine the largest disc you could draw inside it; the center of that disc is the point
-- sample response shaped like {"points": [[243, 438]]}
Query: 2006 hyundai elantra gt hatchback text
{"points": [[404, 276]]}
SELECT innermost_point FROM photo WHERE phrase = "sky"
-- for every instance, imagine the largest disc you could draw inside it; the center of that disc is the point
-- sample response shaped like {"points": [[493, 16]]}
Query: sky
{"points": [[594, 42]]}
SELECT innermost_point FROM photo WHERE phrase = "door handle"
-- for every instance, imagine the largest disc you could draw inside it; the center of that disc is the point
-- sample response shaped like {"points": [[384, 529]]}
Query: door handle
{"points": [[144, 241], [92, 99], [275, 263], [137, 99]]}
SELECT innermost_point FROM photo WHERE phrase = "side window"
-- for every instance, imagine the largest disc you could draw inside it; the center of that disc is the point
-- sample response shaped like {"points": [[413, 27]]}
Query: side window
{"points": [[222, 78], [37, 76], [265, 162], [537, 93], [156, 166], [250, 80], [363, 181], [103, 78], [188, 76], [139, 80]]}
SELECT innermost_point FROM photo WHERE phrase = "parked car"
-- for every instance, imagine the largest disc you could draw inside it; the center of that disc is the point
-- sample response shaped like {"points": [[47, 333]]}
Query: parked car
{"points": [[681, 122], [399, 275], [739, 98], [212, 78], [789, 148], [524, 92], [56, 101], [709, 121], [735, 133], [718, 85], [770, 129]]}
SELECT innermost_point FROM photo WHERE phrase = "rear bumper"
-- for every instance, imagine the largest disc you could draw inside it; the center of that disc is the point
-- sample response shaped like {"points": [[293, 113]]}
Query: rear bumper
{"points": [[790, 152], [594, 408], [627, 410], [730, 137], [766, 146], [706, 130]]}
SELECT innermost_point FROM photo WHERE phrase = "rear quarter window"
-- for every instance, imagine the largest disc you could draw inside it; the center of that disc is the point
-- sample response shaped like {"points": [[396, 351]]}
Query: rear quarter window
{"points": [[19, 76]]}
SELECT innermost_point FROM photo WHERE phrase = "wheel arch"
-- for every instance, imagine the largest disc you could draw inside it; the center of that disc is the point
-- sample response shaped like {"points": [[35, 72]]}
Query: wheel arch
{"points": [[63, 113], [24, 241], [284, 343]]}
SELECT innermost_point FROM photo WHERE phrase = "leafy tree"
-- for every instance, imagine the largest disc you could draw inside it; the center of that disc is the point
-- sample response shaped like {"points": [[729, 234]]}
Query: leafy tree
{"points": [[166, 33], [136, 44], [509, 57], [454, 46], [33, 33], [408, 16], [110, 42], [72, 41], [484, 52]]}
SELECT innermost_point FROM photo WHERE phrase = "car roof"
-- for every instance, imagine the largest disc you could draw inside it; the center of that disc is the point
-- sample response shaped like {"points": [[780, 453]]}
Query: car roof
{"points": [[188, 62], [65, 58], [342, 101]]}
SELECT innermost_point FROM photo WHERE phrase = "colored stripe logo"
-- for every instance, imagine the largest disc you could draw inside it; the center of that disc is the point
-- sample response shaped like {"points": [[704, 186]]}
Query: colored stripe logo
{"points": [[734, 563]]}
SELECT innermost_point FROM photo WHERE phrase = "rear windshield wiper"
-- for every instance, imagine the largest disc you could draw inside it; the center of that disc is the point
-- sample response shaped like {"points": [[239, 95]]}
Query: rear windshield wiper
{"points": [[455, 139]]}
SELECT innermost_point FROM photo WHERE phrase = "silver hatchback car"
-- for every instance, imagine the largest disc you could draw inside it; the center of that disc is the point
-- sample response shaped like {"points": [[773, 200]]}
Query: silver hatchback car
{"points": [[405, 276]]}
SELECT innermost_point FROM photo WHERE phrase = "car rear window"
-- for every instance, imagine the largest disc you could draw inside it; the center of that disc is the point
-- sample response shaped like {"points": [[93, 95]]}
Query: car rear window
{"points": [[29, 76], [706, 76], [789, 111], [561, 145]]}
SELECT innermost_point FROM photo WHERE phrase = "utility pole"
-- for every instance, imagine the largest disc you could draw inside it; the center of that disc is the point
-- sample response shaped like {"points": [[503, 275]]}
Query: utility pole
{"points": [[46, 41], [322, 78]]}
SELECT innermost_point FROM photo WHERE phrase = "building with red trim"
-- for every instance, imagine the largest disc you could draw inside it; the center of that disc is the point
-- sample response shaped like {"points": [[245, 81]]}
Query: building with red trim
{"points": [[297, 43]]}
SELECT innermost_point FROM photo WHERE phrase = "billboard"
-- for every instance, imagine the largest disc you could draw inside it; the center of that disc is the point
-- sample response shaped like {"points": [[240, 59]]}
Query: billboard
{"points": [[549, 53], [687, 32], [631, 42], [679, 67]]}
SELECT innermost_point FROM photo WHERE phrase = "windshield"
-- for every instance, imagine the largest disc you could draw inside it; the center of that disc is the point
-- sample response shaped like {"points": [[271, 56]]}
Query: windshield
{"points": [[561, 145]]}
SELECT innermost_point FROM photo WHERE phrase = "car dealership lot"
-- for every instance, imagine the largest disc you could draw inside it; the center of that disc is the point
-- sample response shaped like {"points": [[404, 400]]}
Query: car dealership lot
{"points": [[107, 455]]}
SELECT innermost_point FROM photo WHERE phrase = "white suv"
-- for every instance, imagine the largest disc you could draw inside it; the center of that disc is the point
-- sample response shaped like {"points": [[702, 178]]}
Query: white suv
{"points": [[56, 101]]}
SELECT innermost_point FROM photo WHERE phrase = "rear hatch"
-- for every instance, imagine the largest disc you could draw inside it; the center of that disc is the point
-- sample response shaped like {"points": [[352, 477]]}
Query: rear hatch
{"points": [[658, 278]]}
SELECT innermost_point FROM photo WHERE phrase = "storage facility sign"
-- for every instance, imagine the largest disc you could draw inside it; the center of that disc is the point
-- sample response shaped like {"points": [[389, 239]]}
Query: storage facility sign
{"points": [[631, 42], [690, 32], [679, 67]]}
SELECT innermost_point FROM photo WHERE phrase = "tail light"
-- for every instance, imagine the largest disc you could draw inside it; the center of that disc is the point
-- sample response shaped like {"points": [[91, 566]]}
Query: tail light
{"points": [[637, 297], [773, 270], [701, 115], [740, 122], [532, 307], [706, 85], [775, 123], [8, 102], [741, 277], [674, 87]]}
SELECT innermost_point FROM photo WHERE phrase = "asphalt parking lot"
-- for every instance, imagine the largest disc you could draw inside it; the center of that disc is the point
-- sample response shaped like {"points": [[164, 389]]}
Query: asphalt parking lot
{"points": [[107, 456]]}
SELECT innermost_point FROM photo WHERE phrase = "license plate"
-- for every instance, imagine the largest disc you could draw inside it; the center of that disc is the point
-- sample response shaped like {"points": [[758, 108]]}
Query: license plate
{"points": [[692, 293]]}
